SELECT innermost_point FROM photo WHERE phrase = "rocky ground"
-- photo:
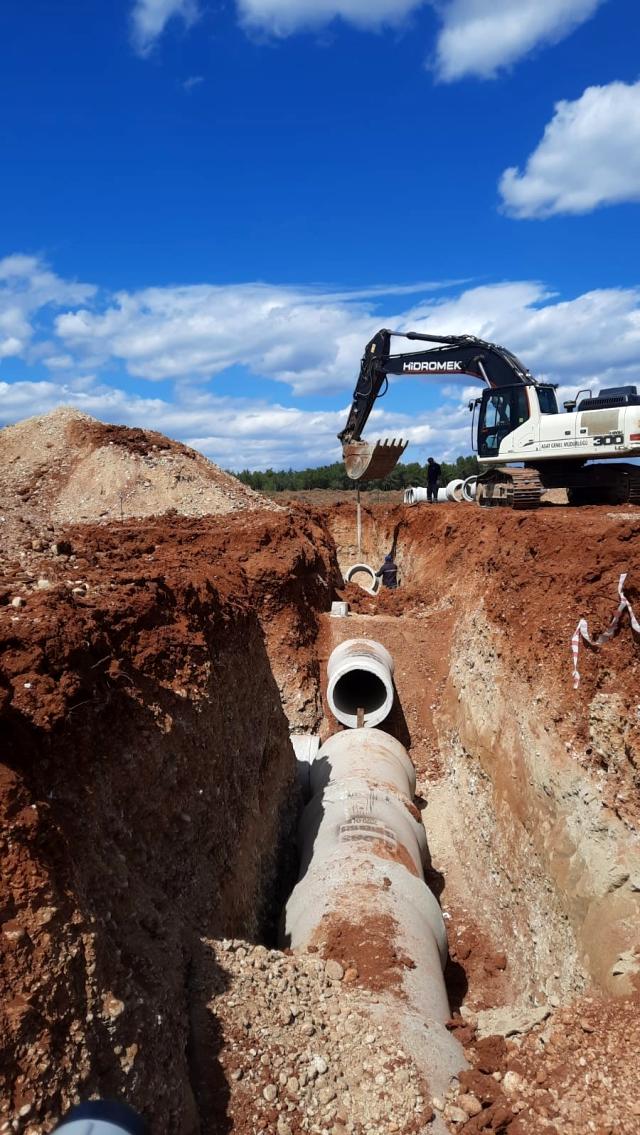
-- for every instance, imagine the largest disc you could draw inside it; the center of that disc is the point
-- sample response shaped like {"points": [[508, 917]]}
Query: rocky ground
{"points": [[304, 1051], [571, 1072]]}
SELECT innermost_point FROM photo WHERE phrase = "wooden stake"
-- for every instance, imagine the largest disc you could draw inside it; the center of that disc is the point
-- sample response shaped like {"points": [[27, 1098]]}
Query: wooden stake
{"points": [[360, 718]]}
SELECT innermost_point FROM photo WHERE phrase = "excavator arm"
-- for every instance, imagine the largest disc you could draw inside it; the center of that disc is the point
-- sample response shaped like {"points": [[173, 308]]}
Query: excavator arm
{"points": [[454, 355]]}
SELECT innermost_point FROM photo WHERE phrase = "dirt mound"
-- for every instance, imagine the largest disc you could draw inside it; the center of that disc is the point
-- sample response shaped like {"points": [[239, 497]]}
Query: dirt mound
{"points": [[65, 467], [304, 1049]]}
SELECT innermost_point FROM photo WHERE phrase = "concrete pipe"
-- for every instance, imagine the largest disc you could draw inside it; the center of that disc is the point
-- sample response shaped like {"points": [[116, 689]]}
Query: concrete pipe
{"points": [[442, 496], [414, 496], [305, 747], [454, 489], [361, 893], [360, 676], [469, 489], [366, 570]]}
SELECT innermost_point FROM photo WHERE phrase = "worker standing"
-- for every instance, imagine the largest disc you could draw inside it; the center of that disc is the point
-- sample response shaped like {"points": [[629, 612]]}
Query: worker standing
{"points": [[433, 479], [388, 572]]}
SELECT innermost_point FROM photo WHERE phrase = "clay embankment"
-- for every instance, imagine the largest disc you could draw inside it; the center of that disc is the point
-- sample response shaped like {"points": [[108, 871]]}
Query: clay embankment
{"points": [[563, 763], [530, 787], [147, 792]]}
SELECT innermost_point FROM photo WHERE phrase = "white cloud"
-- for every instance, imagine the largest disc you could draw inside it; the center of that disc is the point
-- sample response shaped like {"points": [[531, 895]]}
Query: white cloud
{"points": [[479, 37], [589, 156], [283, 17], [192, 81], [593, 336], [312, 341], [27, 287], [306, 338], [150, 17], [309, 339], [236, 433]]}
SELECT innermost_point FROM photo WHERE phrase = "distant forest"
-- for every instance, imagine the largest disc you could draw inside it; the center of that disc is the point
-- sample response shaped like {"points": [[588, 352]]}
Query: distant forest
{"points": [[334, 476]]}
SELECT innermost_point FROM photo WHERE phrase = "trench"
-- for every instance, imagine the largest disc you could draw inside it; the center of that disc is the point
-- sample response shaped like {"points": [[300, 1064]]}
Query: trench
{"points": [[140, 884]]}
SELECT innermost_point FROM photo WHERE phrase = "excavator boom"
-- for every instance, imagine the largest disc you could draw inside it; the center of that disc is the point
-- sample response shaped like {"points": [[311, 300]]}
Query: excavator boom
{"points": [[454, 355]]}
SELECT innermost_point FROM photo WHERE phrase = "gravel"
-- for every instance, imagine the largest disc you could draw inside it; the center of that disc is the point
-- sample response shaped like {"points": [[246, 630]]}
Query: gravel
{"points": [[303, 1052]]}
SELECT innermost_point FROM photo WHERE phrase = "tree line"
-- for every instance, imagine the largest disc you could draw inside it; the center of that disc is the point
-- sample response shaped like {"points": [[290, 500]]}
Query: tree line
{"points": [[335, 477]]}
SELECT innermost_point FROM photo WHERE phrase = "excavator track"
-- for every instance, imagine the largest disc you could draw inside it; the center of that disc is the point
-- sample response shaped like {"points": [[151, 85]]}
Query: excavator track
{"points": [[601, 483], [634, 488], [509, 488]]}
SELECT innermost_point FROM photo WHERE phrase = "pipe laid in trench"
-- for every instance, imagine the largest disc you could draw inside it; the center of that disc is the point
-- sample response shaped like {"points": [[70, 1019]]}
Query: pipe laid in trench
{"points": [[360, 676], [367, 570], [361, 896]]}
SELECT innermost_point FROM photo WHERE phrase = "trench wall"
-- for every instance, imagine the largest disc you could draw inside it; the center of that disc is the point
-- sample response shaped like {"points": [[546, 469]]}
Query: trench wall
{"points": [[556, 770], [148, 800], [543, 799]]}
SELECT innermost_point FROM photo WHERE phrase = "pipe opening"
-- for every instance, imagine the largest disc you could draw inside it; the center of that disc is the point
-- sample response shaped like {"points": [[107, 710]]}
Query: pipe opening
{"points": [[364, 576], [359, 689]]}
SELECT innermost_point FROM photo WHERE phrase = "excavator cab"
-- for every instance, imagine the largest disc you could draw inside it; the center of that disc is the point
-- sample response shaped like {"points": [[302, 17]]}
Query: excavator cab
{"points": [[501, 412]]}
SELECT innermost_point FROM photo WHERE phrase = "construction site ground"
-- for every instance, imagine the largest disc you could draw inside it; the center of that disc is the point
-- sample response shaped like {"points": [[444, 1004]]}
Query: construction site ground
{"points": [[154, 661]]}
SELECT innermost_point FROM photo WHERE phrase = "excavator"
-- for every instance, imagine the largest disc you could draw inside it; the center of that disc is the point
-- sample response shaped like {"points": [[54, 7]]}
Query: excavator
{"points": [[525, 444]]}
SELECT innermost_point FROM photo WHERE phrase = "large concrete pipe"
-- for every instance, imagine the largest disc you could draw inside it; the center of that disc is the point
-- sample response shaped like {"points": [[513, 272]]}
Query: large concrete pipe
{"points": [[454, 492], [361, 893], [469, 489], [373, 580], [454, 489], [360, 676], [415, 495]]}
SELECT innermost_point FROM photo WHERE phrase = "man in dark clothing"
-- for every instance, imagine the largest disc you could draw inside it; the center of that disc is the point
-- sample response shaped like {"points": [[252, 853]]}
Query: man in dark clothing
{"points": [[433, 477], [388, 572]]}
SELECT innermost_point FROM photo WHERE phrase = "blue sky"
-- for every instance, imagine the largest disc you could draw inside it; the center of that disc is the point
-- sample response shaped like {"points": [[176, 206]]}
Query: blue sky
{"points": [[208, 209]]}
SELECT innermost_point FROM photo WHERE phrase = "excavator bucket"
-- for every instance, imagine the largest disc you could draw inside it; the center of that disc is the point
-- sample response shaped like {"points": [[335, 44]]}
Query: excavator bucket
{"points": [[366, 462]]}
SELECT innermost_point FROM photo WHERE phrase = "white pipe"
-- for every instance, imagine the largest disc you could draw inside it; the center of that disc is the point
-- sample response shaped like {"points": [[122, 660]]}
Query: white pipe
{"points": [[454, 489], [360, 676], [415, 495], [362, 850], [469, 489], [375, 579]]}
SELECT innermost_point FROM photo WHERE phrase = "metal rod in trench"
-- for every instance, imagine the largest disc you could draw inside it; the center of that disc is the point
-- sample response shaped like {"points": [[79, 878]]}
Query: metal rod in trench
{"points": [[359, 524]]}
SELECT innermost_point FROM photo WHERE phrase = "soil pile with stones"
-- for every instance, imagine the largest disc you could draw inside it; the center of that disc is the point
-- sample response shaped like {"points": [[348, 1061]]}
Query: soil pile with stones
{"points": [[66, 467], [304, 1051]]}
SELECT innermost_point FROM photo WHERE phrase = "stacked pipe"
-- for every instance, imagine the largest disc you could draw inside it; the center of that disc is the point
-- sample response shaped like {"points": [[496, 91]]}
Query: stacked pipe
{"points": [[363, 851], [458, 490]]}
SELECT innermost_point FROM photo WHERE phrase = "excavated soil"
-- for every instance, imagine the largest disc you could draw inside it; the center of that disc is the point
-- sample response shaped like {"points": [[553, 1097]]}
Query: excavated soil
{"points": [[156, 657], [65, 467]]}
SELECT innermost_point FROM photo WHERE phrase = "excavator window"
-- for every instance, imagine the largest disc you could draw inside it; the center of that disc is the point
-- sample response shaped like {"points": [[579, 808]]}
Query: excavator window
{"points": [[501, 411], [547, 400]]}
